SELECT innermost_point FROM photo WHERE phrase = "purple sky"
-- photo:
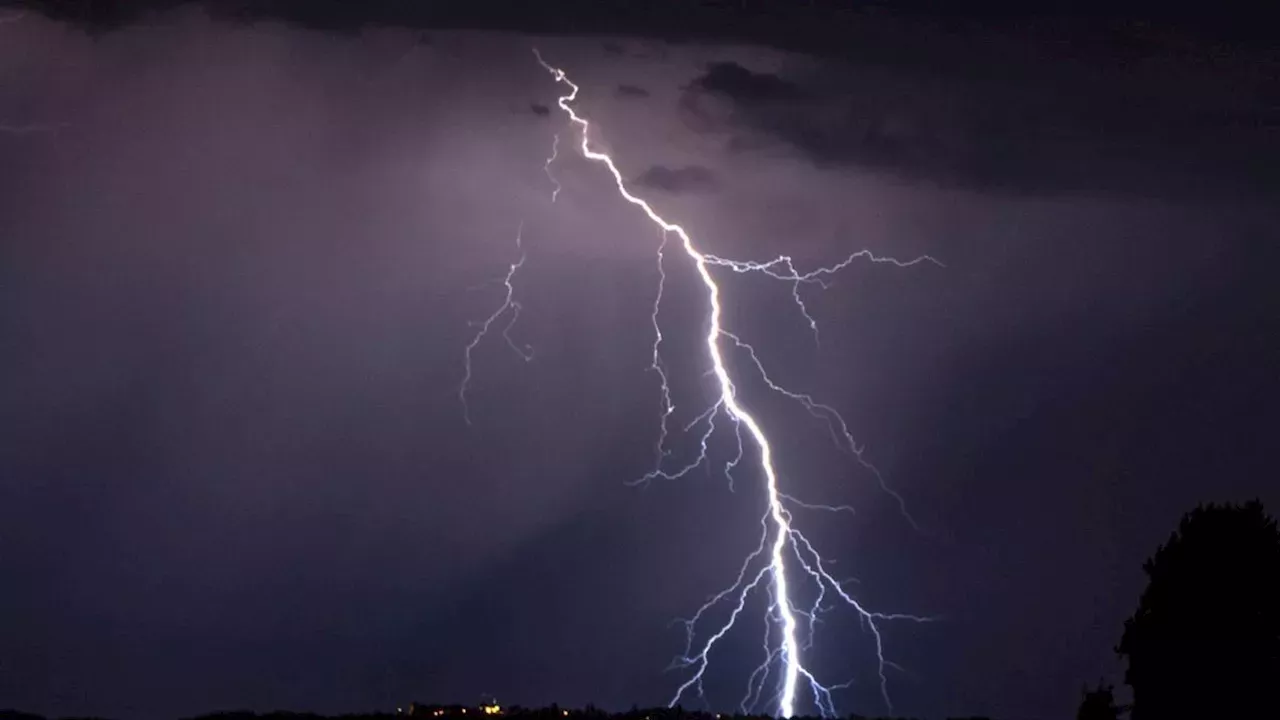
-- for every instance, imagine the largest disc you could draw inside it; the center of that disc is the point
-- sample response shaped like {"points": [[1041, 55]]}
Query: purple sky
{"points": [[237, 270]]}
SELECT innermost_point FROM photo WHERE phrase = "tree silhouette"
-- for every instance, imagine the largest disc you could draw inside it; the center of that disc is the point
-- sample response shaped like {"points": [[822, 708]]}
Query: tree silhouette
{"points": [[1099, 704], [1205, 639]]}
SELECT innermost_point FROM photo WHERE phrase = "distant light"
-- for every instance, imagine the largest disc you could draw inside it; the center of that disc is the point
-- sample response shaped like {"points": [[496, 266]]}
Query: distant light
{"points": [[566, 713]]}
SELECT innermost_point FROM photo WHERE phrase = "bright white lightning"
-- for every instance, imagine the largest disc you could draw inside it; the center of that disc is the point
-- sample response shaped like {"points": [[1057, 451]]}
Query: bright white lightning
{"points": [[786, 538], [835, 424], [508, 303], [783, 268]]}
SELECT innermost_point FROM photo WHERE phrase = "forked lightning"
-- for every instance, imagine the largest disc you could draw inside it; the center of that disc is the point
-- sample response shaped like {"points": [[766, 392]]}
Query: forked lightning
{"points": [[784, 554]]}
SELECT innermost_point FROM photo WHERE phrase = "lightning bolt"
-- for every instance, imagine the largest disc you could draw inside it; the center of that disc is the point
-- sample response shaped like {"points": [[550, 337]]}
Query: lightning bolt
{"points": [[782, 547], [509, 303], [482, 328], [546, 166], [783, 268]]}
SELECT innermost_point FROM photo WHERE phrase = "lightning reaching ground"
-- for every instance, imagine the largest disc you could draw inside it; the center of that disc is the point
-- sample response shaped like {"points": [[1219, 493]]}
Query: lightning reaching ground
{"points": [[784, 556]]}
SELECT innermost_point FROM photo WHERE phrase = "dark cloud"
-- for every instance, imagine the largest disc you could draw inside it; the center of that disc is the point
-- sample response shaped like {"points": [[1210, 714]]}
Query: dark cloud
{"points": [[742, 85], [539, 109], [239, 283], [820, 27], [686, 179], [1044, 130], [632, 91]]}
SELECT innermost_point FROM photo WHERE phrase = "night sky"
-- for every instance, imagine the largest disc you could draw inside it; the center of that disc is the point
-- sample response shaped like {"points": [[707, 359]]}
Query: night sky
{"points": [[241, 252]]}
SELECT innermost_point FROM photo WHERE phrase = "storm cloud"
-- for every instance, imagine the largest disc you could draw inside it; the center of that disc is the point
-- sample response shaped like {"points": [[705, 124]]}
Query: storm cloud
{"points": [[632, 91], [685, 179], [237, 281], [1096, 128]]}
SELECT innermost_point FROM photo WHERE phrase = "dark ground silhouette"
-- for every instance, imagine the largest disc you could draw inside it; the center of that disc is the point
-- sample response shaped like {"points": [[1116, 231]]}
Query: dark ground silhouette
{"points": [[1205, 639], [1100, 704], [461, 712], [1203, 643]]}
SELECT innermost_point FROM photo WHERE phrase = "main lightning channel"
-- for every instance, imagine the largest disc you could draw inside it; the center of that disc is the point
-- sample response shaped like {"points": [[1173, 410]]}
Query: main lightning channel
{"points": [[785, 538]]}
